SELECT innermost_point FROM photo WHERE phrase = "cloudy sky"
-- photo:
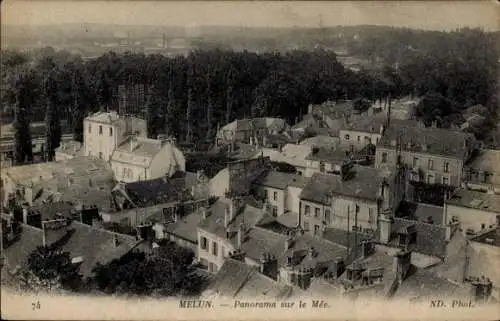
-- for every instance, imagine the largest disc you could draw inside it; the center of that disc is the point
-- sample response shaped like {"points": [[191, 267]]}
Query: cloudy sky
{"points": [[415, 14]]}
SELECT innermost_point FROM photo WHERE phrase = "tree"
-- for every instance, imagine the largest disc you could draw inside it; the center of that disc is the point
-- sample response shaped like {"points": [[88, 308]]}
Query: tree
{"points": [[48, 269], [52, 120], [167, 272], [22, 135], [152, 111], [361, 105]]}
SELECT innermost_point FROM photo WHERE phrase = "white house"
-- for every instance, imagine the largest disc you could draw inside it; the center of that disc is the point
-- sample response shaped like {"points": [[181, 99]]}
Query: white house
{"points": [[104, 131], [138, 158]]}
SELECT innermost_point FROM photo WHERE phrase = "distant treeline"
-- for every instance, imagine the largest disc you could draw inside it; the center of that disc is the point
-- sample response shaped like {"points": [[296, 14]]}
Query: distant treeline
{"points": [[192, 95]]}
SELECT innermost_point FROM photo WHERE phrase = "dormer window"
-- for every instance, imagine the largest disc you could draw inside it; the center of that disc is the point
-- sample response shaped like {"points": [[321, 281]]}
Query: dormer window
{"points": [[347, 137]]}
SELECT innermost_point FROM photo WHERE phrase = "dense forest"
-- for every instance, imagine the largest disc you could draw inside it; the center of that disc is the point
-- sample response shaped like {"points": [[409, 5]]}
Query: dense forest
{"points": [[192, 95]]}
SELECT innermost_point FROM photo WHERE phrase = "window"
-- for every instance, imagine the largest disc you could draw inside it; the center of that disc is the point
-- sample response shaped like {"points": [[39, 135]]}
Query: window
{"points": [[430, 164], [415, 161], [275, 196], [90, 128], [483, 226], [266, 196], [430, 179], [110, 131], [384, 157], [306, 225], [100, 129], [214, 248], [347, 137], [327, 216], [445, 181], [275, 211], [203, 243], [124, 172], [359, 138], [307, 210], [321, 167], [316, 229], [316, 212], [446, 167], [100, 155]]}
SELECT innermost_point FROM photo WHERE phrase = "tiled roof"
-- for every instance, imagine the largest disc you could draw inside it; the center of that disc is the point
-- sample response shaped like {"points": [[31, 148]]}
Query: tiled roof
{"points": [[475, 200], [93, 245], [320, 141], [289, 219], [259, 240], [141, 152], [73, 147], [365, 123], [78, 170], [293, 154], [345, 238], [488, 160], [245, 151], [425, 284], [104, 117], [214, 223], [235, 279], [102, 199], [364, 183], [186, 227], [280, 180], [434, 141], [491, 237], [323, 249], [422, 212], [327, 155], [431, 239], [309, 121], [49, 211]]}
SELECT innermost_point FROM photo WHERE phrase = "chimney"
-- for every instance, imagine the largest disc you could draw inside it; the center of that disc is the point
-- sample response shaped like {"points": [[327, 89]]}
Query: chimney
{"points": [[227, 215], [288, 241], [204, 212], [385, 227], [251, 141], [311, 253], [481, 289], [338, 268], [25, 214], [366, 248], [133, 143], [401, 264], [44, 235], [264, 258], [116, 243], [240, 235], [381, 130], [264, 140]]}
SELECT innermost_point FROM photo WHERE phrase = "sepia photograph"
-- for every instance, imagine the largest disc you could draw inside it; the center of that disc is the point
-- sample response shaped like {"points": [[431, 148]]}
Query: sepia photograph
{"points": [[212, 160]]}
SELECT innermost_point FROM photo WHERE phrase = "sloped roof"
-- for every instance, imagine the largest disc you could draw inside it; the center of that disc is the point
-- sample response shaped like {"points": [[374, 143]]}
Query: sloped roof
{"points": [[156, 191], [186, 227], [345, 238], [293, 154], [320, 141], [488, 160], [328, 155], [281, 180], [475, 200], [214, 223], [235, 279], [431, 239], [92, 244], [364, 184], [434, 141], [365, 123]]}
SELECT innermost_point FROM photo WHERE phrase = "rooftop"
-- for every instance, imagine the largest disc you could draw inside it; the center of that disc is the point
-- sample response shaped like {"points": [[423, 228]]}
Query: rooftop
{"points": [[364, 183], [185, 227], [491, 237], [335, 110], [281, 180], [91, 244], [214, 223], [78, 170], [236, 279], [276, 124], [141, 152], [293, 154], [320, 141], [422, 212], [155, 191], [49, 211], [475, 200], [73, 147], [488, 160], [365, 123], [345, 238], [434, 141], [327, 155]]}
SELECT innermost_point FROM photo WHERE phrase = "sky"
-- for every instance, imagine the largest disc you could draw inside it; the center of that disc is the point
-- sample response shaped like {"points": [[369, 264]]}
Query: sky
{"points": [[435, 15]]}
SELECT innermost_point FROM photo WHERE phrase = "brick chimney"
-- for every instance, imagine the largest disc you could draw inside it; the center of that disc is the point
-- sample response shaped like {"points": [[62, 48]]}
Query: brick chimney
{"points": [[227, 216], [385, 228]]}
